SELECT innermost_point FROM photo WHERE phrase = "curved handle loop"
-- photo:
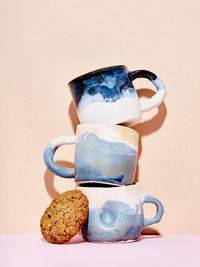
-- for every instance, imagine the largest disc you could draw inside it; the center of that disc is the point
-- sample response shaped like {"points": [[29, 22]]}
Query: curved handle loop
{"points": [[49, 152], [159, 213], [157, 99]]}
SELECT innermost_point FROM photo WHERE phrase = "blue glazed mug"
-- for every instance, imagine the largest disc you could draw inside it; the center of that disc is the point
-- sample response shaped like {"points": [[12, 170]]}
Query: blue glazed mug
{"points": [[116, 213], [107, 96], [104, 153]]}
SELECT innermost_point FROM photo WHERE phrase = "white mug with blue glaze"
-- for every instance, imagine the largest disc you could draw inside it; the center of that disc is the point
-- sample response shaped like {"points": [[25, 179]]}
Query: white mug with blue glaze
{"points": [[107, 96], [116, 213], [104, 153]]}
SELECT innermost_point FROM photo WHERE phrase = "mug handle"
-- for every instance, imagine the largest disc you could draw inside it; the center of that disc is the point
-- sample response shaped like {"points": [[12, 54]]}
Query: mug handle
{"points": [[159, 213], [49, 152], [155, 100]]}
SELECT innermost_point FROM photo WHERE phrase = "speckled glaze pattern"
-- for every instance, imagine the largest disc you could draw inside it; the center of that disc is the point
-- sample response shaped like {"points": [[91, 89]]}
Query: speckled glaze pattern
{"points": [[116, 213], [104, 153], [101, 94]]}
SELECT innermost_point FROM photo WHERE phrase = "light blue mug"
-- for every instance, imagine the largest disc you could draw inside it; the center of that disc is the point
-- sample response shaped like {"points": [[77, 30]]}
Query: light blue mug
{"points": [[116, 213], [104, 153]]}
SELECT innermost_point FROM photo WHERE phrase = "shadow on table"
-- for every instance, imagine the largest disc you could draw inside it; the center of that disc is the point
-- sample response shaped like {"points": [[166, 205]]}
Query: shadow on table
{"points": [[75, 240], [150, 232]]}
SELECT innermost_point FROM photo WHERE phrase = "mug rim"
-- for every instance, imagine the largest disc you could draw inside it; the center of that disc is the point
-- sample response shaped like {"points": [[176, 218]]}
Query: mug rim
{"points": [[93, 124], [96, 71]]}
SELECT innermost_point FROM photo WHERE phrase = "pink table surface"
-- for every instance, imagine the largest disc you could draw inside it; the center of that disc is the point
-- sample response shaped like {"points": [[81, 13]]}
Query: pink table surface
{"points": [[33, 250]]}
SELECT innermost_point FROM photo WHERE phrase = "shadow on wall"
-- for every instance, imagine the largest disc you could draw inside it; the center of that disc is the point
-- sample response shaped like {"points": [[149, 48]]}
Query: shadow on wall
{"points": [[73, 116], [150, 231], [49, 178], [150, 126]]}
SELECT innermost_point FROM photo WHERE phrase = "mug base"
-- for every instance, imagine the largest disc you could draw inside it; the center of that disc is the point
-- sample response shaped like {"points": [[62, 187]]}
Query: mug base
{"points": [[115, 242]]}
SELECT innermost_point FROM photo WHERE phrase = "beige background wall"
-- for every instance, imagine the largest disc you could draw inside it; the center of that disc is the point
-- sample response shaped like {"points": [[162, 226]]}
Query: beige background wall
{"points": [[43, 45]]}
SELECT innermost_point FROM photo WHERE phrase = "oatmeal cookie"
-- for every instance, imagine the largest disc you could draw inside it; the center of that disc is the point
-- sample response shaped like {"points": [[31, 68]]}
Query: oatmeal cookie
{"points": [[64, 217]]}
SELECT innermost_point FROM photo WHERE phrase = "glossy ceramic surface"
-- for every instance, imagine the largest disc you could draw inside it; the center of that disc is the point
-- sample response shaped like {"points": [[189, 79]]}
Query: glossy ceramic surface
{"points": [[116, 213], [107, 95], [104, 153]]}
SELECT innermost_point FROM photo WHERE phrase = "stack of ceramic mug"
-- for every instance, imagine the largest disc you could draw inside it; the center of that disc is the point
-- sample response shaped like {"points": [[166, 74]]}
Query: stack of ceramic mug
{"points": [[106, 152]]}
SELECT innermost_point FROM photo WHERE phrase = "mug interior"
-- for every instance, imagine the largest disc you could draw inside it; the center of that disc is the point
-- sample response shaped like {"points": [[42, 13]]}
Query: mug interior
{"points": [[98, 185], [105, 187]]}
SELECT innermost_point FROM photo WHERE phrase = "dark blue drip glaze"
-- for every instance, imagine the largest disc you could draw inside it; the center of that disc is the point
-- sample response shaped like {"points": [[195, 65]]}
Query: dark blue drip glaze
{"points": [[109, 82]]}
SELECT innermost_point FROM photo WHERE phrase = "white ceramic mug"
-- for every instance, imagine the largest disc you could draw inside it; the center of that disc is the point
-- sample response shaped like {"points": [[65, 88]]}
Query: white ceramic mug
{"points": [[116, 213], [107, 95], [104, 153]]}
